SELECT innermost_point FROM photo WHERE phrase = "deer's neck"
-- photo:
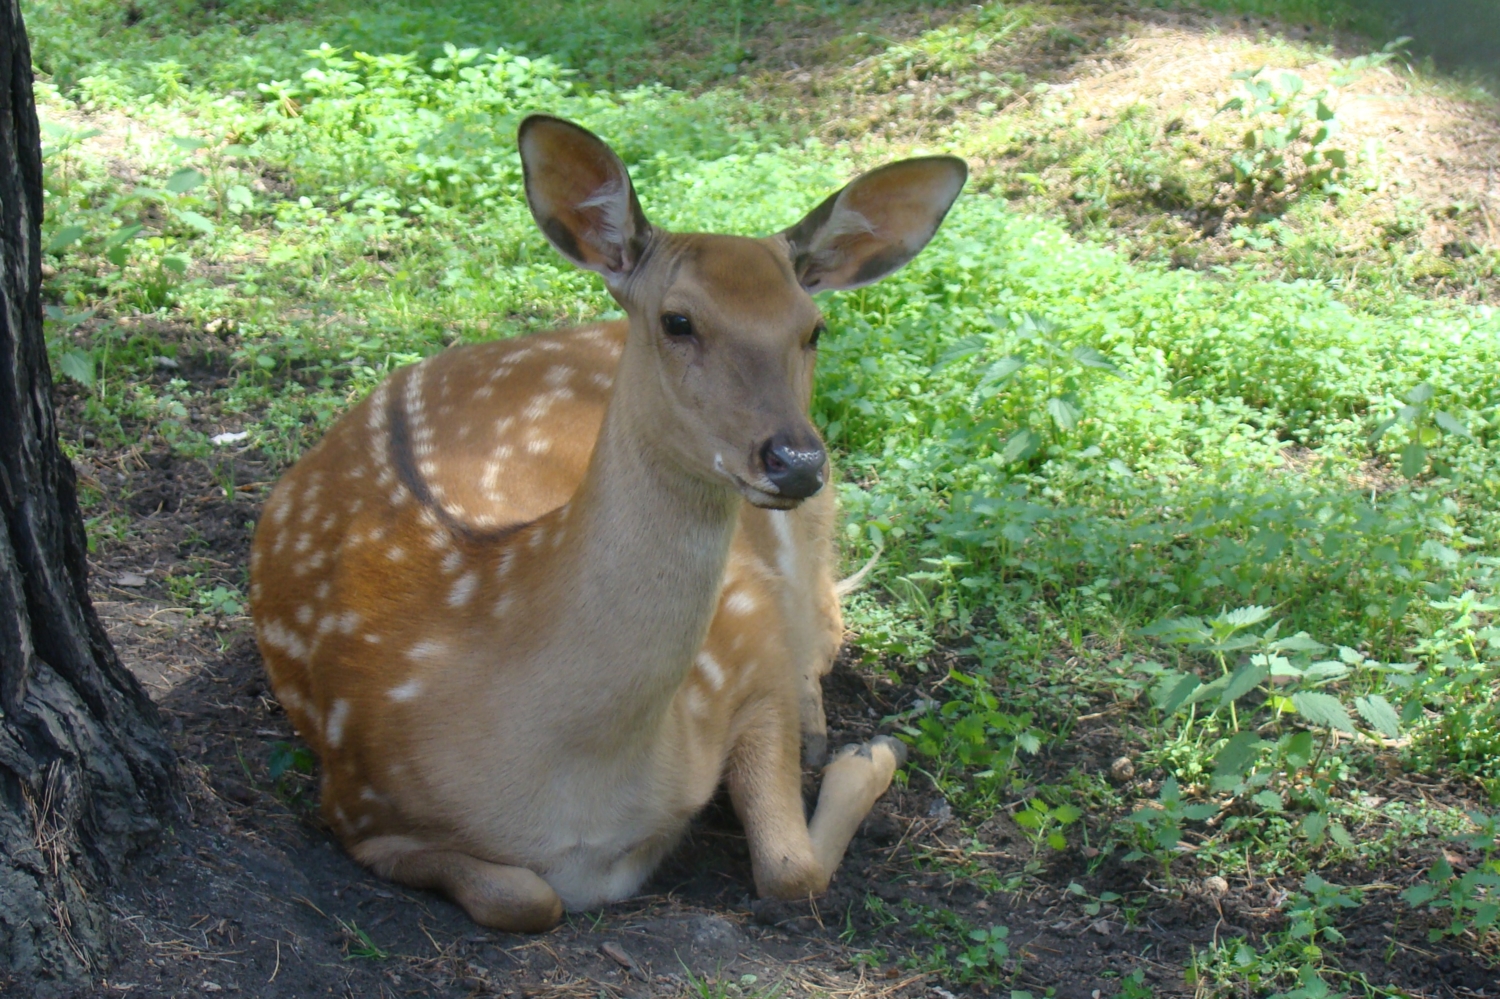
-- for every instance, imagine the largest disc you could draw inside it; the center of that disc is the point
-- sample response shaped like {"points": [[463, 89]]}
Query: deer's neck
{"points": [[636, 587]]}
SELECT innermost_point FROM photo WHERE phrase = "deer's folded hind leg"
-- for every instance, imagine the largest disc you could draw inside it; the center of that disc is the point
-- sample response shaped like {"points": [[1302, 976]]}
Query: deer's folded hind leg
{"points": [[857, 776], [495, 895], [791, 857]]}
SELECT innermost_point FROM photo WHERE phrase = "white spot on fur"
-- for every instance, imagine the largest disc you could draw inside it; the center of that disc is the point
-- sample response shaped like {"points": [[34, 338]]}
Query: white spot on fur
{"points": [[427, 650], [740, 602], [406, 691], [452, 561], [463, 590], [712, 672], [395, 553], [305, 614], [337, 716]]}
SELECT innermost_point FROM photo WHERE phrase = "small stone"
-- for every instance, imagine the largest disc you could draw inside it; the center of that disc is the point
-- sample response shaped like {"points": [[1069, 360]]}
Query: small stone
{"points": [[131, 579], [1121, 770], [1216, 885]]}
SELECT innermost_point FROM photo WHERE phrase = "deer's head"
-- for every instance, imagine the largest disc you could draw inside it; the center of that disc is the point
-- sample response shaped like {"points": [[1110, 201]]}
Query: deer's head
{"points": [[723, 329]]}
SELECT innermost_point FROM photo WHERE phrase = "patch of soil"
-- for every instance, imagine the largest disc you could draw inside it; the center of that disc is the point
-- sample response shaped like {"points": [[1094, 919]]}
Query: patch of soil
{"points": [[250, 895], [1427, 201]]}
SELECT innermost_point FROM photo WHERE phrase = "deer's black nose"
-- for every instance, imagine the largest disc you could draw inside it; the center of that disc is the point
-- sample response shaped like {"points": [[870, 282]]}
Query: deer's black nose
{"points": [[794, 467]]}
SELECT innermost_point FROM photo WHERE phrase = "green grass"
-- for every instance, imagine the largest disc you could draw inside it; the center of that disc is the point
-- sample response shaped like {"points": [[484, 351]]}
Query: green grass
{"points": [[1099, 480]]}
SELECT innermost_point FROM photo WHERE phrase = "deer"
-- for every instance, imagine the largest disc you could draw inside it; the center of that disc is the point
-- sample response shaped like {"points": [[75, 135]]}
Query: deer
{"points": [[534, 600]]}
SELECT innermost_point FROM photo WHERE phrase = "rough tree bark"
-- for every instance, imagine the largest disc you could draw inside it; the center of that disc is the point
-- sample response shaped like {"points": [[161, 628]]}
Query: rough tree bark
{"points": [[85, 774]]}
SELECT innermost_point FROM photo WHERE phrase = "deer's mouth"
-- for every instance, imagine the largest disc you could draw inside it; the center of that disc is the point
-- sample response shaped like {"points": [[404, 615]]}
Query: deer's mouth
{"points": [[766, 497]]}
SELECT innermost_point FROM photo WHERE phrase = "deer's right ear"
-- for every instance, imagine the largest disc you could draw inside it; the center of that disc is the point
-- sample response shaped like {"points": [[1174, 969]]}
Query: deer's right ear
{"points": [[581, 196]]}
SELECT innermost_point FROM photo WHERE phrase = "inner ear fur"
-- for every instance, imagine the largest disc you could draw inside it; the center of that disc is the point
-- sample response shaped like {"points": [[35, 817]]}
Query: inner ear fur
{"points": [[875, 224], [581, 196]]}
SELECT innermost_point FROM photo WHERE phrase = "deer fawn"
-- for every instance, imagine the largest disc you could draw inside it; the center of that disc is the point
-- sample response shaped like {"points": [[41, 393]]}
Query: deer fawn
{"points": [[533, 599]]}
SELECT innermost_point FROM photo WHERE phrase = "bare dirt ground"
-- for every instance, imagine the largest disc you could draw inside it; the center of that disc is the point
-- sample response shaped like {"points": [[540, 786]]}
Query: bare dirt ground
{"points": [[1423, 193], [250, 895]]}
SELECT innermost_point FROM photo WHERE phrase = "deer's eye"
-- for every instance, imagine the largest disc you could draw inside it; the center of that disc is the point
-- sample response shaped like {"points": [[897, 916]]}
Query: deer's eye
{"points": [[818, 331], [676, 325]]}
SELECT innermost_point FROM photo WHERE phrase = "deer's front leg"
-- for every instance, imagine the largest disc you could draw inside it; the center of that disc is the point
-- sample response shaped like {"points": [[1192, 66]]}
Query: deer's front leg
{"points": [[791, 857]]}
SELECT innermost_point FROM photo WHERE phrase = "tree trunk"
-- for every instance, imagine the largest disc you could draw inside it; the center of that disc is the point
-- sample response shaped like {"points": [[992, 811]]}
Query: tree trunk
{"points": [[85, 774]]}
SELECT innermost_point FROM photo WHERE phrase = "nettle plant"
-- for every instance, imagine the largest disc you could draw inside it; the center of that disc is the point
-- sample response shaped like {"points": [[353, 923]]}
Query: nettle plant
{"points": [[1287, 143], [1282, 669], [1471, 898], [1051, 400], [1425, 426]]}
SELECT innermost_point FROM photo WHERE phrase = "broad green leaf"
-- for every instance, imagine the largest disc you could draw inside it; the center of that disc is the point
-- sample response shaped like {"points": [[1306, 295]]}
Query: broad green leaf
{"points": [[1242, 681], [1171, 792], [1413, 460], [1381, 428], [176, 263], [1237, 755], [1063, 412], [1377, 711], [195, 221], [1314, 826], [1172, 691], [1244, 617], [184, 180], [1020, 444], [1325, 671], [1451, 424], [1323, 709], [239, 197], [123, 235], [1067, 814], [1418, 895], [1299, 749], [1178, 629], [79, 366], [1200, 812], [65, 237], [1269, 800], [1422, 393], [1091, 358], [959, 349], [1001, 370], [188, 143], [1300, 642], [1207, 691]]}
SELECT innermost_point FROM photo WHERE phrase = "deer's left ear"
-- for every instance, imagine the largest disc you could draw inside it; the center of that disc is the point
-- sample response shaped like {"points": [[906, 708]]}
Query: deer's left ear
{"points": [[878, 222]]}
